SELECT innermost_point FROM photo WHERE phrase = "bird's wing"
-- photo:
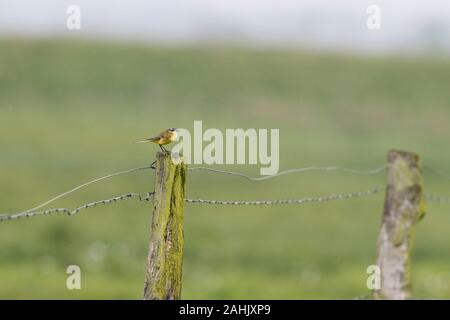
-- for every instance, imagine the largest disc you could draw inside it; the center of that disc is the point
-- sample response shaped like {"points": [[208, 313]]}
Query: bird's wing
{"points": [[156, 138], [161, 135]]}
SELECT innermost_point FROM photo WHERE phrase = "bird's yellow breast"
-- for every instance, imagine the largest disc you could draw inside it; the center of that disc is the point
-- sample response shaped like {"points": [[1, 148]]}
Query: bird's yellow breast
{"points": [[173, 136]]}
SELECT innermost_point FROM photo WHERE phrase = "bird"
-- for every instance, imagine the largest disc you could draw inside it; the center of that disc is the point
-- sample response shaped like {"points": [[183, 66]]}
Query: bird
{"points": [[165, 137]]}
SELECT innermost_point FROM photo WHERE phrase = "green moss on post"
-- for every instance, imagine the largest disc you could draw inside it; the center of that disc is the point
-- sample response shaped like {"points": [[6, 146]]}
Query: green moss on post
{"points": [[404, 207], [165, 258]]}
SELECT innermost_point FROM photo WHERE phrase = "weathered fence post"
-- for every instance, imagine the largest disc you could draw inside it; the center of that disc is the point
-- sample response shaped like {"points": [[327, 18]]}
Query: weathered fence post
{"points": [[404, 207], [165, 258]]}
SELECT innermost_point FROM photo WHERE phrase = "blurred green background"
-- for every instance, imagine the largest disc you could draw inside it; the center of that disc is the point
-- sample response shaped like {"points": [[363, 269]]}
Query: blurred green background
{"points": [[71, 111]]}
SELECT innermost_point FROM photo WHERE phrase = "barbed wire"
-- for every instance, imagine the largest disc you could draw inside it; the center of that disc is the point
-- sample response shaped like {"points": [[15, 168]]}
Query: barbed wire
{"points": [[148, 196], [437, 199], [290, 171], [34, 211], [342, 196], [112, 200], [151, 166]]}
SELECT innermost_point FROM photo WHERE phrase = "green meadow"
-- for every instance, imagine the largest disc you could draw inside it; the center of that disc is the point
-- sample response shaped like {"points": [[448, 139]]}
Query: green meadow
{"points": [[71, 112]]}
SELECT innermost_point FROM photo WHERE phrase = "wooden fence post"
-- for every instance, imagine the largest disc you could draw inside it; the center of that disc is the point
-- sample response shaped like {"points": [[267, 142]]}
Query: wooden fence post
{"points": [[165, 258], [404, 207]]}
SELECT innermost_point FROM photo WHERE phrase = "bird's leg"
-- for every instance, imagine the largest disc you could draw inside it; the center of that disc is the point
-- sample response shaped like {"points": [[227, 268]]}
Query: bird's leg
{"points": [[164, 149]]}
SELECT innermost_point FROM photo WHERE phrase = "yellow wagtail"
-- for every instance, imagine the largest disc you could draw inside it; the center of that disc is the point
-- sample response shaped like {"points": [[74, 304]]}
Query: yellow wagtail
{"points": [[165, 137]]}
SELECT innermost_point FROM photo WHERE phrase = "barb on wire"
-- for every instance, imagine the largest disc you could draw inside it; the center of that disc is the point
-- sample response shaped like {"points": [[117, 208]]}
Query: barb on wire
{"points": [[82, 186], [437, 199], [126, 196], [298, 170], [290, 201]]}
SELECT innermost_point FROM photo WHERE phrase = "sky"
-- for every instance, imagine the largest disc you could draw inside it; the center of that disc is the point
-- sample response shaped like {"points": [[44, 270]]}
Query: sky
{"points": [[406, 25]]}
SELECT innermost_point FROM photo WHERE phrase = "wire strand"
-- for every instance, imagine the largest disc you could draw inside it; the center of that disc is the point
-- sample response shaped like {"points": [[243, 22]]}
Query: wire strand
{"points": [[150, 195], [437, 173], [126, 196], [332, 197], [297, 170], [438, 199]]}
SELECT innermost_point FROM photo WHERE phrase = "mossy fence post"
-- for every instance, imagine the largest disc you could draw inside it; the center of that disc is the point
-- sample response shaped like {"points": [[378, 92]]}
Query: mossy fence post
{"points": [[165, 257], [404, 207]]}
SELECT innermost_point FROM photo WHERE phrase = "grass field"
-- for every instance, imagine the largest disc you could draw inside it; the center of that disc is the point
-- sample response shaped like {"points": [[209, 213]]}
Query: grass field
{"points": [[70, 111]]}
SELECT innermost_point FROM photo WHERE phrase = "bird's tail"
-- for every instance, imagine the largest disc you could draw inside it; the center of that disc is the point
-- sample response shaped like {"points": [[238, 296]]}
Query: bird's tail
{"points": [[145, 140]]}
